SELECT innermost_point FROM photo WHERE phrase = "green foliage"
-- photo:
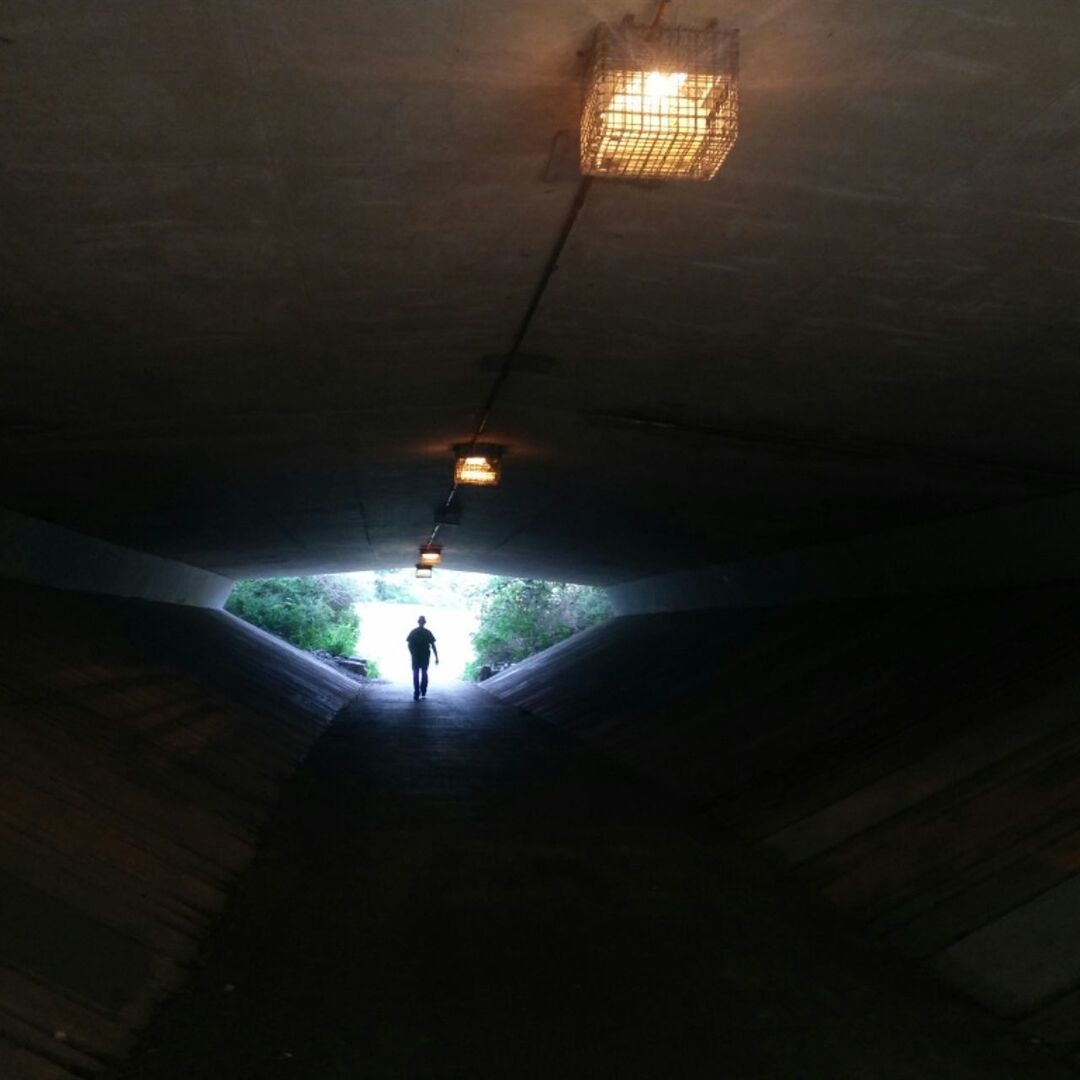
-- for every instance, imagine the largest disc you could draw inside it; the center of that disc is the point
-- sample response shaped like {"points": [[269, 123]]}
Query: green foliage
{"points": [[373, 671], [519, 618], [397, 587], [471, 671], [308, 612]]}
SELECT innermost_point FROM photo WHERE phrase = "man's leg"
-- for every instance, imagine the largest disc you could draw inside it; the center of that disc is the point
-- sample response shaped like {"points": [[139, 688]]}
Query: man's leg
{"points": [[416, 680], [423, 681]]}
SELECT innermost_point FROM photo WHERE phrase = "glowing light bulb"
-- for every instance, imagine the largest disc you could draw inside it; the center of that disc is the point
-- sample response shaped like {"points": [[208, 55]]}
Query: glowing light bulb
{"points": [[658, 85], [662, 104], [477, 465]]}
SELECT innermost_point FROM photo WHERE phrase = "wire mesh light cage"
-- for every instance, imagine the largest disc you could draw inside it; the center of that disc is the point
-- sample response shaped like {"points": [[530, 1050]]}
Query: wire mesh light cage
{"points": [[662, 104], [478, 463], [430, 554]]}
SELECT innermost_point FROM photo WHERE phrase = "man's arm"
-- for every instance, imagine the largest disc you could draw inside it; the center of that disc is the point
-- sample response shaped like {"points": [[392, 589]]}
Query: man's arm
{"points": [[434, 650]]}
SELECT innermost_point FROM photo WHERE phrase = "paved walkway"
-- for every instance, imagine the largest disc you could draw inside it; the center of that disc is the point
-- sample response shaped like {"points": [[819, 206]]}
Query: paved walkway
{"points": [[452, 890]]}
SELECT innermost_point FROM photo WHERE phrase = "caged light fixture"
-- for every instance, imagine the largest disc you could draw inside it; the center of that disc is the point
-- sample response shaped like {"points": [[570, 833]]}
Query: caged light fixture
{"points": [[477, 463], [662, 104], [430, 555]]}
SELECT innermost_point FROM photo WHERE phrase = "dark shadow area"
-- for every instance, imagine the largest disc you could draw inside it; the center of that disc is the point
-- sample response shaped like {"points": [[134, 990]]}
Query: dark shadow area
{"points": [[914, 760], [455, 888], [451, 889], [144, 745]]}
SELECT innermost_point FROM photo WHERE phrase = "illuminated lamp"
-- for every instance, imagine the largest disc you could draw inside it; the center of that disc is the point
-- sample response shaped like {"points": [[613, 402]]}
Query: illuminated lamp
{"points": [[423, 570], [479, 464], [661, 104], [430, 555]]}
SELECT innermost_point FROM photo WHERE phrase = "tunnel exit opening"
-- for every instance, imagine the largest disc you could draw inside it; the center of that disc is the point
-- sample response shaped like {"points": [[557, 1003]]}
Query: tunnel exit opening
{"points": [[482, 623]]}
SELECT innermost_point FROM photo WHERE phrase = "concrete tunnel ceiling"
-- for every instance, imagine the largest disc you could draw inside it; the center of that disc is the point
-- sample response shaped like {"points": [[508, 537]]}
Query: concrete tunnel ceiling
{"points": [[253, 257]]}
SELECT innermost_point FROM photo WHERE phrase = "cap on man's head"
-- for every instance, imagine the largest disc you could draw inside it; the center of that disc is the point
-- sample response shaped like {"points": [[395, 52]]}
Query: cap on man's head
{"points": [[421, 620]]}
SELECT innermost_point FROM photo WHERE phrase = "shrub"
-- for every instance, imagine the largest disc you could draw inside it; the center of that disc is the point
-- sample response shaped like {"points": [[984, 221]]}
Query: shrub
{"points": [[521, 617], [308, 612]]}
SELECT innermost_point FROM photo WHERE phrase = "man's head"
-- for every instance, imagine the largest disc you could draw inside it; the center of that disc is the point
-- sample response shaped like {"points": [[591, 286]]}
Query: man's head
{"points": [[421, 620]]}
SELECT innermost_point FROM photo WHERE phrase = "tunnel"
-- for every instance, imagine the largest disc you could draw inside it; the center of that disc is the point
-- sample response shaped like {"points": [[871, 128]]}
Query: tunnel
{"points": [[808, 806]]}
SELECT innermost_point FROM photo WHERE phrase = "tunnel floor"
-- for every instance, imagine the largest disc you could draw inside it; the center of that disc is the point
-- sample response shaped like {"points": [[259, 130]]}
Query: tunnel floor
{"points": [[450, 888]]}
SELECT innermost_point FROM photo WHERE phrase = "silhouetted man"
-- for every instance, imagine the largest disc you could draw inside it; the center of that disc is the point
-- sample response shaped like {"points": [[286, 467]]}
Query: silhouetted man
{"points": [[420, 641]]}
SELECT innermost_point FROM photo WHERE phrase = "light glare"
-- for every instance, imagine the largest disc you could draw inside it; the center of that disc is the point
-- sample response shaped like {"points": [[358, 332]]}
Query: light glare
{"points": [[660, 105], [473, 466]]}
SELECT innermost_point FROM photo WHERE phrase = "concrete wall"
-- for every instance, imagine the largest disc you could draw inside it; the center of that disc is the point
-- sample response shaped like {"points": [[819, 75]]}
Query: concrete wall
{"points": [[44, 554], [1024, 544], [143, 746], [916, 762]]}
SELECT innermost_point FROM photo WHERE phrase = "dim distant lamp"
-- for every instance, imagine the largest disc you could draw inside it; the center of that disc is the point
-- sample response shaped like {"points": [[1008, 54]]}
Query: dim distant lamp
{"points": [[662, 104], [480, 464], [422, 570], [430, 555]]}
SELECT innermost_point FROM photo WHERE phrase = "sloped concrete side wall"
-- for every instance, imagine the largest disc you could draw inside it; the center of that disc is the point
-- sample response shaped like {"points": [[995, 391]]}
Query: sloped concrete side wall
{"points": [[1023, 544], [45, 554], [916, 762], [143, 747]]}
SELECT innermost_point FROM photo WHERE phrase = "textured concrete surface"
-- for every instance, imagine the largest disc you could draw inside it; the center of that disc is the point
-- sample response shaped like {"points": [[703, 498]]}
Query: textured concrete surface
{"points": [[44, 554], [256, 259], [1028, 544], [143, 747], [256, 255], [1025, 958], [915, 761], [452, 889]]}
